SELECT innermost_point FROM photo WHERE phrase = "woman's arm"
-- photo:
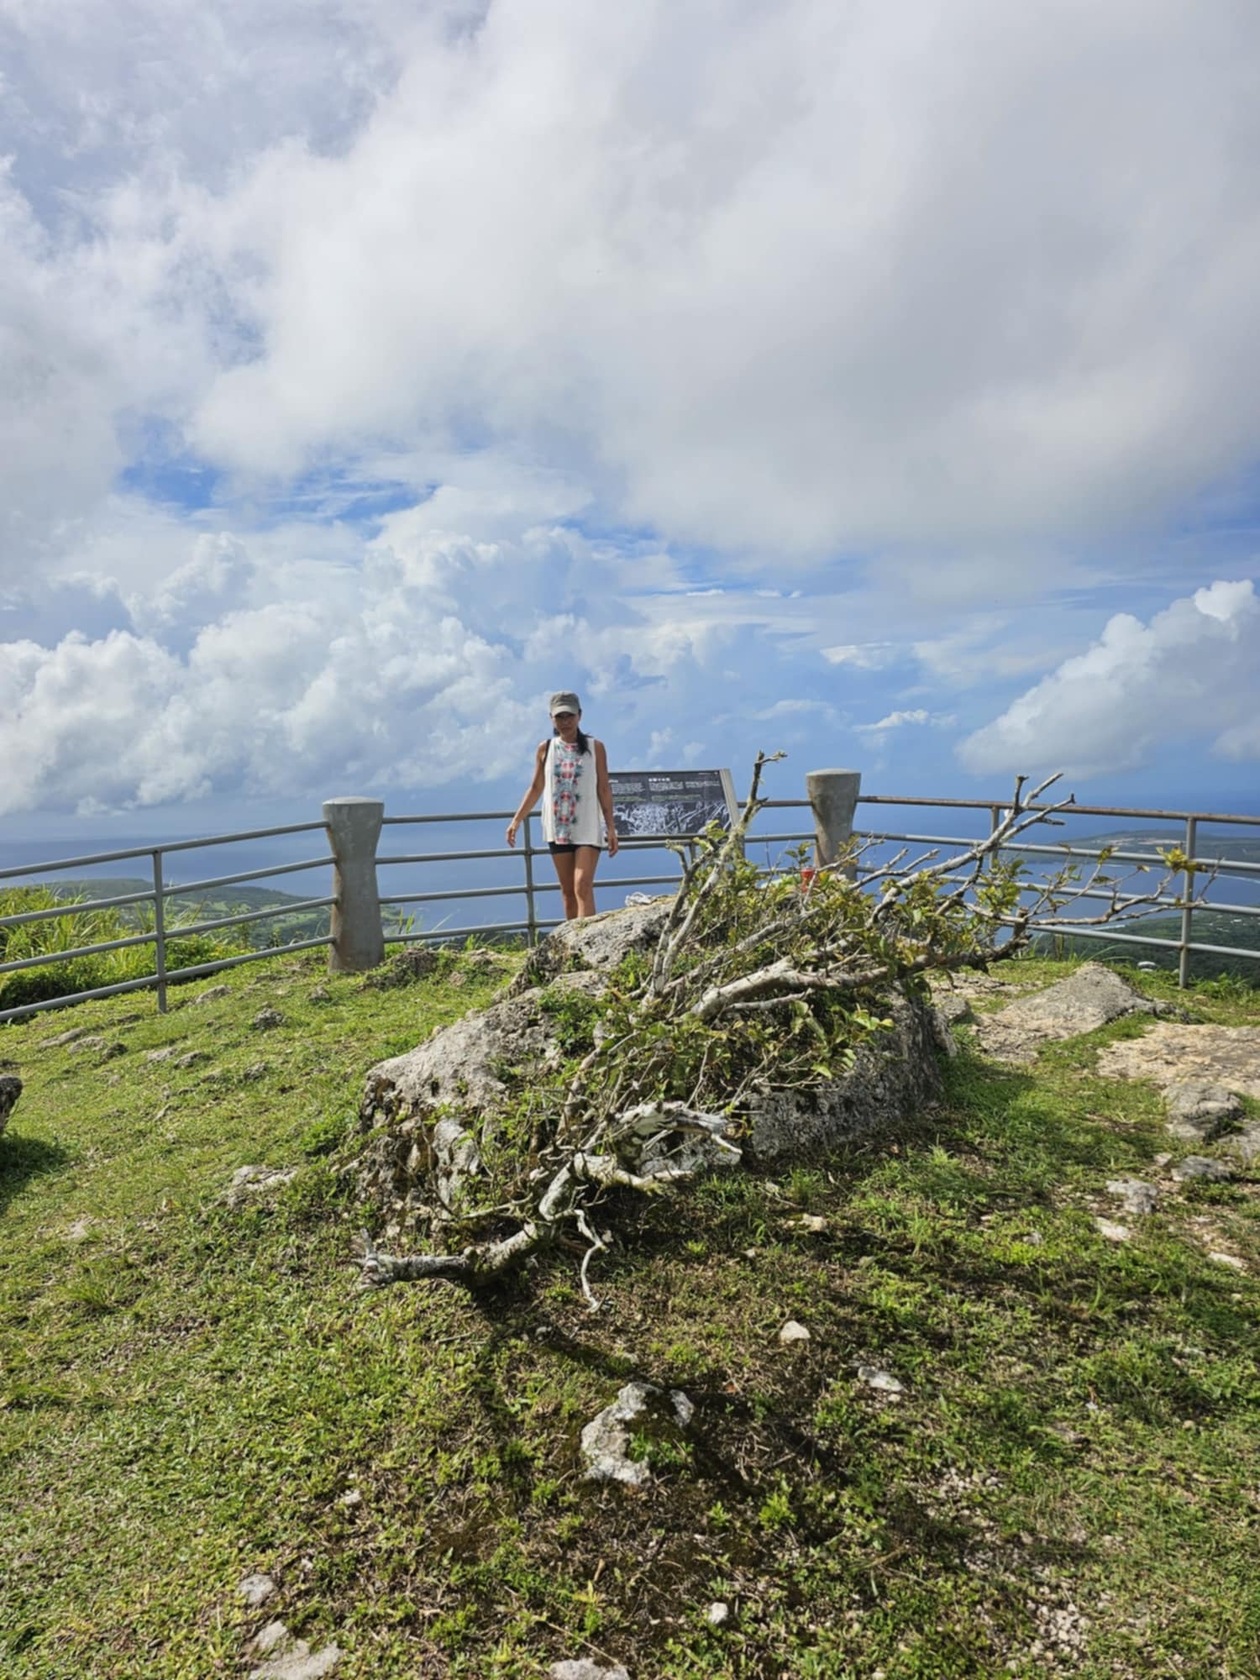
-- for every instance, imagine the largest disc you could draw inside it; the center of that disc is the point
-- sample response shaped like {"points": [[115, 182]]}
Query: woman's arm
{"points": [[530, 797], [603, 791]]}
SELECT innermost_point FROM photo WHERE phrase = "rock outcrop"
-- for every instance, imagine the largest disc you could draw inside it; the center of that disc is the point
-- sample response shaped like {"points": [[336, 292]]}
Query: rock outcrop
{"points": [[1083, 1002], [427, 1112]]}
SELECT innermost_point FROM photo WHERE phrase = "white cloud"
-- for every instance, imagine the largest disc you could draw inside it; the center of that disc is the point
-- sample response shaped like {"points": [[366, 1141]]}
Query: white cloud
{"points": [[894, 720], [862, 656], [248, 669], [771, 276], [1191, 673], [901, 305]]}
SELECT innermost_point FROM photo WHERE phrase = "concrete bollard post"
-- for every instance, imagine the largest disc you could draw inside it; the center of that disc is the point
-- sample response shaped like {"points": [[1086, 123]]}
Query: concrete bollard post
{"points": [[358, 940], [833, 795]]}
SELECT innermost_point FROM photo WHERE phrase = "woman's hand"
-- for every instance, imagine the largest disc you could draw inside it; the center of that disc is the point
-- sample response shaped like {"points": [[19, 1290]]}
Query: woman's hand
{"points": [[613, 843], [511, 831]]}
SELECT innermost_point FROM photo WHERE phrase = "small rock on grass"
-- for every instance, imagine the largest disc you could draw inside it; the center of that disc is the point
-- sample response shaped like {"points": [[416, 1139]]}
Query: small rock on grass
{"points": [[1245, 1144], [874, 1376], [63, 1038], [582, 1668], [210, 995], [718, 1614], [1109, 1229], [1230, 1260], [256, 1590], [1137, 1196], [1201, 1166], [253, 1181], [1197, 1107], [289, 1658], [606, 1438], [793, 1332], [266, 1019]]}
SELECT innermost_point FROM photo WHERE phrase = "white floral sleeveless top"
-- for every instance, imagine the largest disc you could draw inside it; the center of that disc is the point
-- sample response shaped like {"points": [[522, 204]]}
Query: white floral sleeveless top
{"points": [[570, 812]]}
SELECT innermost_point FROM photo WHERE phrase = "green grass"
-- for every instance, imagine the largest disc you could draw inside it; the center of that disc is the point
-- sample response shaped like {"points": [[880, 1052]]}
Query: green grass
{"points": [[1070, 1483]]}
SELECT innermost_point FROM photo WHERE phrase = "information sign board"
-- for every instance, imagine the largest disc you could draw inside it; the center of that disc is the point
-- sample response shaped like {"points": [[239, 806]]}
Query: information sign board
{"points": [[652, 803]]}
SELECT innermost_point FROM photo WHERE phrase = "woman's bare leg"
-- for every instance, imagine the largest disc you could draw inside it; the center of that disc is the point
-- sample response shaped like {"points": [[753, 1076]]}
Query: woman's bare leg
{"points": [[585, 861], [564, 862]]}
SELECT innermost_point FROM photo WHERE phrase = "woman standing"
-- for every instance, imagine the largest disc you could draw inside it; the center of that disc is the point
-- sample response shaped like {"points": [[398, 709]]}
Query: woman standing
{"points": [[571, 773]]}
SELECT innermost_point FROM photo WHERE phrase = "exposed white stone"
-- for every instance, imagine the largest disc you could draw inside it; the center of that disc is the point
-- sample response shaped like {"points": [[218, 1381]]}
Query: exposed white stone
{"points": [[582, 1668], [793, 1332], [256, 1590], [874, 1376], [606, 1438], [1111, 1230]]}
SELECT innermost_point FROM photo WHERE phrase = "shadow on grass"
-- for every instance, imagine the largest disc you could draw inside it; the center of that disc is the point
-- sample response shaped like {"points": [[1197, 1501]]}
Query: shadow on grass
{"points": [[24, 1158]]}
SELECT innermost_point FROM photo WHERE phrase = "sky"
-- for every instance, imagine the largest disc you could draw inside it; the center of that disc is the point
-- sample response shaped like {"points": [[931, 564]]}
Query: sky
{"points": [[875, 383]]}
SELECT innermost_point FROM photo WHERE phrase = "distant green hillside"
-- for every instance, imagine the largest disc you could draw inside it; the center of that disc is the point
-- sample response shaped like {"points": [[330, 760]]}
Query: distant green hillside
{"points": [[1229, 848], [281, 929], [1210, 927]]}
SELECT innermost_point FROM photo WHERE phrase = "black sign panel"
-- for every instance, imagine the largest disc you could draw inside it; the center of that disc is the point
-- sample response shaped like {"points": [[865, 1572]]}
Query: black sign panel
{"points": [[651, 803]]}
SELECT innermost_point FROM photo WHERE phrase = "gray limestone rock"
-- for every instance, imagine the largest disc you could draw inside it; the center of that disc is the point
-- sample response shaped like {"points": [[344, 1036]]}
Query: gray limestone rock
{"points": [[894, 1075], [1245, 1144], [266, 1019], [1173, 1053], [256, 1590], [1201, 1166], [874, 1376], [606, 1438], [288, 1658], [63, 1038], [582, 1668], [10, 1091], [954, 1007], [593, 942], [210, 995], [1198, 1108], [1083, 1002], [1138, 1196]]}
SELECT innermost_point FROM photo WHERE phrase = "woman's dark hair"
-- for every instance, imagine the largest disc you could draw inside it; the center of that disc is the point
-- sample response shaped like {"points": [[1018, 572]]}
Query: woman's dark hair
{"points": [[583, 739]]}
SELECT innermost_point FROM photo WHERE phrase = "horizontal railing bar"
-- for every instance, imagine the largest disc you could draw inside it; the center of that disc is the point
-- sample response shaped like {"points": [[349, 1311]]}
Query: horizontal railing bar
{"points": [[78, 997], [1224, 950], [247, 875], [161, 846], [1071, 810], [77, 909], [454, 893], [460, 857], [449, 817], [1064, 850], [1160, 944], [520, 891], [148, 980], [435, 936], [221, 963], [182, 931], [1110, 933], [76, 952]]}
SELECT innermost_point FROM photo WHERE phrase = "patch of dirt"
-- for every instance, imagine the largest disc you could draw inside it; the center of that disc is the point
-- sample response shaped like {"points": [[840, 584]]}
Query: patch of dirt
{"points": [[1171, 1053]]}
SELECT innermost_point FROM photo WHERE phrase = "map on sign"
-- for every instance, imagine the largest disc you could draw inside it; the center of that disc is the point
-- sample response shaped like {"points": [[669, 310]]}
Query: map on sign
{"points": [[652, 803]]}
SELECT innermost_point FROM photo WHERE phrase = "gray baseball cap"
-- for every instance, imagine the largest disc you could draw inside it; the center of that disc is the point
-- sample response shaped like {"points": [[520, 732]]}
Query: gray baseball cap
{"points": [[565, 701]]}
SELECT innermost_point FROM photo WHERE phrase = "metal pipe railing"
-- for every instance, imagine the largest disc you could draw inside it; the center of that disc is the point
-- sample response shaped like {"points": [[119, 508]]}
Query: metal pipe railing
{"points": [[530, 886]]}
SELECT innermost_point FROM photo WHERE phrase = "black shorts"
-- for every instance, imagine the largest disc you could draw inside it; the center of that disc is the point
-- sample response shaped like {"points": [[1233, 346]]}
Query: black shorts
{"points": [[562, 848]]}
